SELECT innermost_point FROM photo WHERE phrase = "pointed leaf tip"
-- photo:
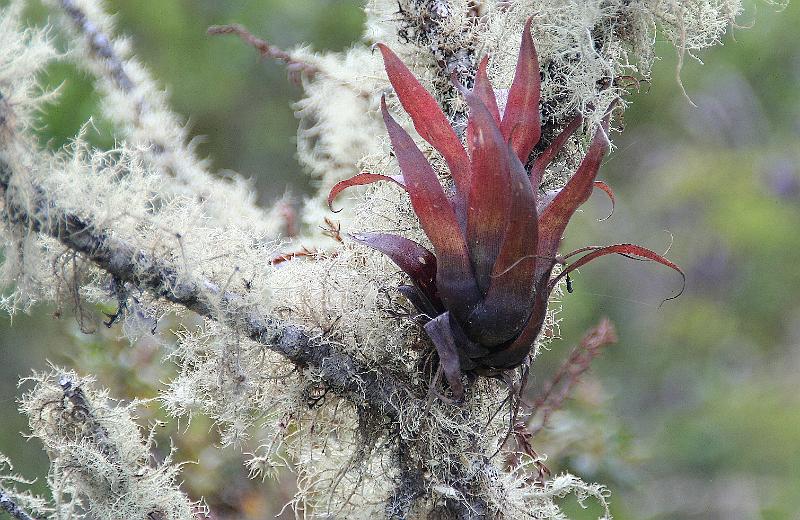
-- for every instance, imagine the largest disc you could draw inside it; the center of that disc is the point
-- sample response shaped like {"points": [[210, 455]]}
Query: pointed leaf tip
{"points": [[608, 191], [483, 89], [627, 250], [544, 160], [429, 120], [522, 106], [557, 214], [361, 179]]}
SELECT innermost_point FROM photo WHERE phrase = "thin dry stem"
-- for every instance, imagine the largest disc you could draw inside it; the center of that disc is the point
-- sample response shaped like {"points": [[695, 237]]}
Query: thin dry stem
{"points": [[556, 391], [266, 49]]}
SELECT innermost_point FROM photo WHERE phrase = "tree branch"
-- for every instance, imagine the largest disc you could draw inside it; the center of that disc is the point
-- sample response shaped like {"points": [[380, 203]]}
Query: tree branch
{"points": [[100, 44], [338, 370], [8, 505], [129, 264]]}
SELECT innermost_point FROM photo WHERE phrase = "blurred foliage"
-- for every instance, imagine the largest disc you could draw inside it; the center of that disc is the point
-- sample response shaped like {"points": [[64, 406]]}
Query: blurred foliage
{"points": [[702, 387], [693, 414]]}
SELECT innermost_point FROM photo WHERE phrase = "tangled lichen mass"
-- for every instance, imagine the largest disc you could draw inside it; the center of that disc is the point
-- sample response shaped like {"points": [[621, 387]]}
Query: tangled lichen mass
{"points": [[318, 359]]}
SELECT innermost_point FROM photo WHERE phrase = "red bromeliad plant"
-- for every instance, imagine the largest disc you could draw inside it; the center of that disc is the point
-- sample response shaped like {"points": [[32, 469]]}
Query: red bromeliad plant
{"points": [[486, 285]]}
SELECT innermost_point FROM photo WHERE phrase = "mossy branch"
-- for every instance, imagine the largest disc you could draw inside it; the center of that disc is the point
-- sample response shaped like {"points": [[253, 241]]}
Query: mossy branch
{"points": [[8, 505], [149, 273], [340, 372], [101, 45]]}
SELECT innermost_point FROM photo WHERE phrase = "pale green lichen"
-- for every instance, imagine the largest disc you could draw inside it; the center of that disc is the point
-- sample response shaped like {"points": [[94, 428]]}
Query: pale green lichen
{"points": [[100, 462]]}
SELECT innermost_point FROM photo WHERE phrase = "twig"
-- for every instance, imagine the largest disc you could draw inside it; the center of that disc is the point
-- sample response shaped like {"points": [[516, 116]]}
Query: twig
{"points": [[266, 49], [557, 390], [288, 213], [8, 505], [332, 230], [82, 411], [100, 44], [303, 252], [523, 438]]}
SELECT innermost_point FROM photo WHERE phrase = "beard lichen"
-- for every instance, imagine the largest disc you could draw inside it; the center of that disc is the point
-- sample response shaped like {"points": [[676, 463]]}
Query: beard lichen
{"points": [[101, 464]]}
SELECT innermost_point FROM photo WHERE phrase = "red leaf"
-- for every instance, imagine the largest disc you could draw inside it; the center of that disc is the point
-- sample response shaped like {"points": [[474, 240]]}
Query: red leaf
{"points": [[361, 179], [513, 355], [489, 201], [521, 120], [556, 215], [507, 305], [454, 276], [416, 261], [420, 302], [630, 250], [441, 334], [483, 89], [429, 120], [608, 191], [537, 171]]}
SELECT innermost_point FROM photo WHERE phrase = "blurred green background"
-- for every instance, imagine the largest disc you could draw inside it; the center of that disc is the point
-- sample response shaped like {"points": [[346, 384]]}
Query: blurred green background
{"points": [[694, 414]]}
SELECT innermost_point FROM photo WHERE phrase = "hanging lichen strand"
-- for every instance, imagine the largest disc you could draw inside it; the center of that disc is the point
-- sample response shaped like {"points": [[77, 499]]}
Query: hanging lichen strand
{"points": [[313, 351]]}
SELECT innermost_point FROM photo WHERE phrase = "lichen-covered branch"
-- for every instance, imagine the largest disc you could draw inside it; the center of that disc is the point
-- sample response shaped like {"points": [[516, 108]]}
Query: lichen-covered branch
{"points": [[101, 465], [101, 45], [205, 298], [8, 505], [140, 110]]}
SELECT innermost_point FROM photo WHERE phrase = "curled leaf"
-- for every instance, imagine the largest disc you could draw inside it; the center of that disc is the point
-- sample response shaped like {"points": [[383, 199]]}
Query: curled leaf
{"points": [[361, 179], [608, 191], [416, 261], [441, 334], [628, 250]]}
